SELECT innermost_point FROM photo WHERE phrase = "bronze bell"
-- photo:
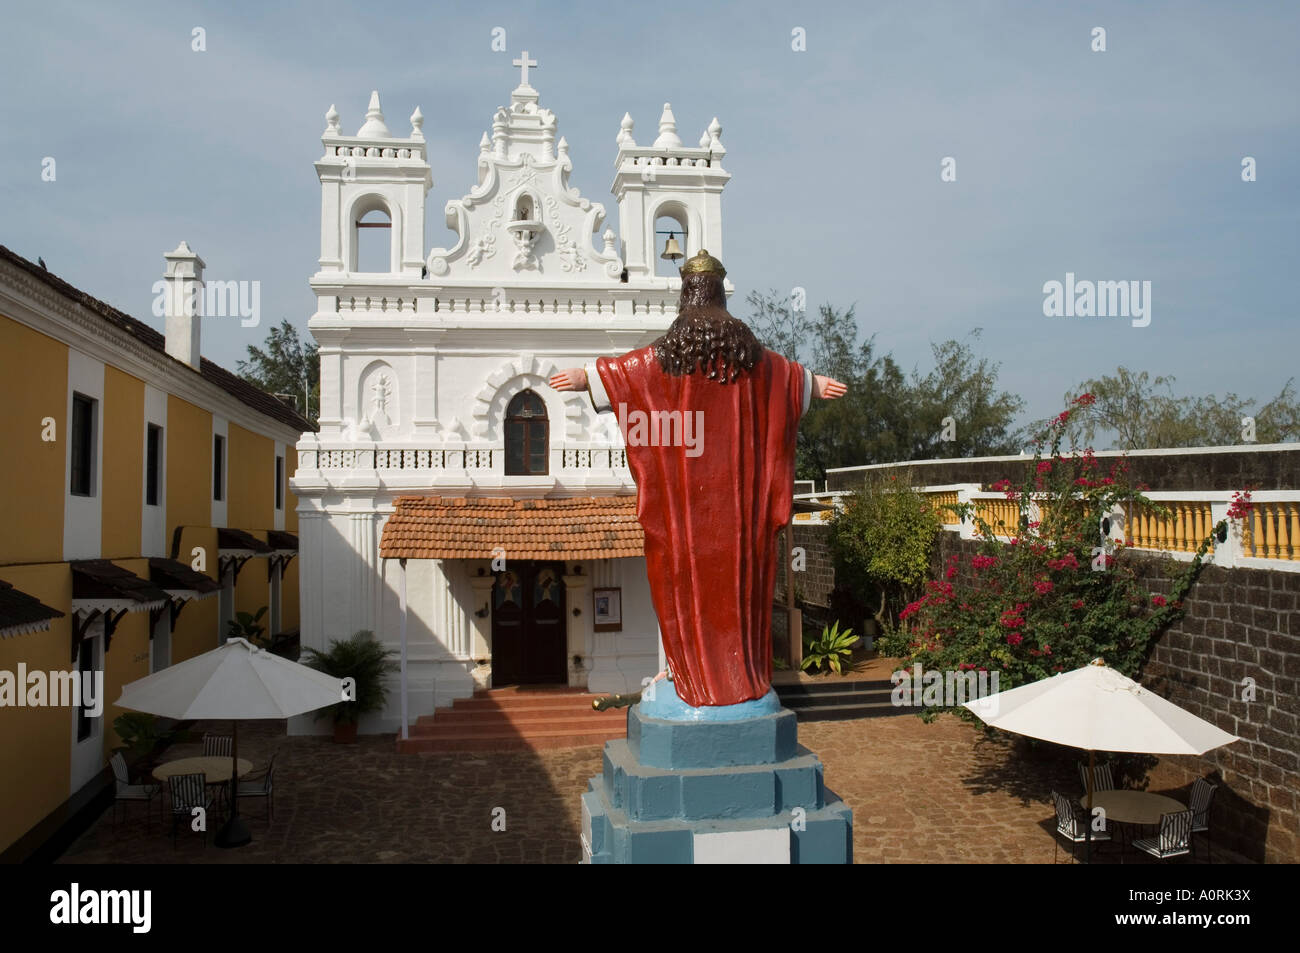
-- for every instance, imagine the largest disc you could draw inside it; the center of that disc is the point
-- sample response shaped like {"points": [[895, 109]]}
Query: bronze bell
{"points": [[672, 250]]}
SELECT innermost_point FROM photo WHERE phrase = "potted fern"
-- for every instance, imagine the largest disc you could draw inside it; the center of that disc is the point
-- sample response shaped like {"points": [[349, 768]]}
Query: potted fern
{"points": [[365, 661]]}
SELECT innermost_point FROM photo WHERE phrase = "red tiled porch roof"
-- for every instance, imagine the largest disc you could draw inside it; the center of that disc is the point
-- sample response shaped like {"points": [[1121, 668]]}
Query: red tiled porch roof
{"points": [[587, 527]]}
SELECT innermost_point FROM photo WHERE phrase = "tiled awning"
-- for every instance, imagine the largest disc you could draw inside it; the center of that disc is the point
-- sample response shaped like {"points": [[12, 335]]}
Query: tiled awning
{"points": [[587, 527], [284, 546], [101, 589], [180, 580], [235, 542], [281, 541], [98, 584], [21, 613]]}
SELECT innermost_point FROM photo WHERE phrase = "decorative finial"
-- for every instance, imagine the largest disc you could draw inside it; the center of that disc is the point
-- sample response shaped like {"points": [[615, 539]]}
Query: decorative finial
{"points": [[563, 146], [705, 139], [625, 132], [702, 263], [484, 144], [715, 131], [374, 126], [668, 138], [332, 121], [417, 124]]}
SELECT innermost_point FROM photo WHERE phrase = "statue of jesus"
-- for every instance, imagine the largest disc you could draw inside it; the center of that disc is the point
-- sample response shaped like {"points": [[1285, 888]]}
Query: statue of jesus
{"points": [[709, 417]]}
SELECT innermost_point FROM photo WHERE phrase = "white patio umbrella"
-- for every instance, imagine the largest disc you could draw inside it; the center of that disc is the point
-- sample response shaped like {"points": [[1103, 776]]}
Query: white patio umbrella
{"points": [[1099, 709], [237, 681]]}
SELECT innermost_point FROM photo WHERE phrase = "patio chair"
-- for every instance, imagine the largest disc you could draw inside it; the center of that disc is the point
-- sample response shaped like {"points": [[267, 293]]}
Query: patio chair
{"points": [[1202, 797], [260, 785], [1174, 839], [189, 791], [216, 746], [1101, 777], [1072, 824], [126, 791]]}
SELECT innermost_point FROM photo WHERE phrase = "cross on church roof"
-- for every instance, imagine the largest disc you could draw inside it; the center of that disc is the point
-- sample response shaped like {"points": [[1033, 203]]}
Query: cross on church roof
{"points": [[523, 65]]}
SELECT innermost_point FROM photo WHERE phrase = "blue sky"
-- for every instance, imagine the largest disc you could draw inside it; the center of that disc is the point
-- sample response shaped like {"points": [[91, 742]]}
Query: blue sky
{"points": [[1122, 165]]}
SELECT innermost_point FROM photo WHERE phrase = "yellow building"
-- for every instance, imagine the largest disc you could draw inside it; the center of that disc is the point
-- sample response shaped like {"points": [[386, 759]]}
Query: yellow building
{"points": [[147, 501]]}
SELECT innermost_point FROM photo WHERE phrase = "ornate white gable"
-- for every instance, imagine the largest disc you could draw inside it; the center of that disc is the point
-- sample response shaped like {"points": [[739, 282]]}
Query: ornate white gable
{"points": [[523, 220]]}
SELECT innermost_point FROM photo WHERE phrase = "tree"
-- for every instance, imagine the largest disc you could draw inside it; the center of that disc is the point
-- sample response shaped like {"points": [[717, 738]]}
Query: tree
{"points": [[287, 366], [885, 417], [959, 412], [1142, 412]]}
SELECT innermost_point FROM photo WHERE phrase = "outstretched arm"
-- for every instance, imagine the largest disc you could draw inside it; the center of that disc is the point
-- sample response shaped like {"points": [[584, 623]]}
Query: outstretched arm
{"points": [[575, 378], [828, 388]]}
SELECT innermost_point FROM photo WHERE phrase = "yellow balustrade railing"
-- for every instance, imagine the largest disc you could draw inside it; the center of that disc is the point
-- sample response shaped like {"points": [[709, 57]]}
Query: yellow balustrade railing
{"points": [[1272, 531], [1181, 529], [1002, 515], [944, 498]]}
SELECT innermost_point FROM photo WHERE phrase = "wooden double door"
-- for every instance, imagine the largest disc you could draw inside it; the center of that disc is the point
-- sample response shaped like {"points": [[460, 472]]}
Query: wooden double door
{"points": [[528, 630]]}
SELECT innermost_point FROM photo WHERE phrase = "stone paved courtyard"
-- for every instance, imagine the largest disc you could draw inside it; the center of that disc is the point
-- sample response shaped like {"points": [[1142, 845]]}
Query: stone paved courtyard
{"points": [[920, 793]]}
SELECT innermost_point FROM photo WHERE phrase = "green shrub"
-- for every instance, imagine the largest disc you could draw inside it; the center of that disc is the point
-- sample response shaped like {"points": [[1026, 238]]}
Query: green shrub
{"points": [[882, 543], [828, 649], [362, 659]]}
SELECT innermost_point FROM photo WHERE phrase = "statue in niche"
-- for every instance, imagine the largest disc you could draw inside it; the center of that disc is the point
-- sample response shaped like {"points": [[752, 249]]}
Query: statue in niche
{"points": [[376, 419]]}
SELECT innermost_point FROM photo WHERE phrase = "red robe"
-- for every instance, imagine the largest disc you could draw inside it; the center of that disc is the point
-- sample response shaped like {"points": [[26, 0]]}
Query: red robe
{"points": [[711, 505]]}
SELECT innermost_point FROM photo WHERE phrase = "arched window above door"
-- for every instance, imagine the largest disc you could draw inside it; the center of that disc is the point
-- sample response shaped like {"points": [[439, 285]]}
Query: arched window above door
{"points": [[527, 433]]}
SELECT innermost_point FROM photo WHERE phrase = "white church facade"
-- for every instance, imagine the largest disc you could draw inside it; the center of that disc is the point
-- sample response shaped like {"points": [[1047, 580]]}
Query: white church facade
{"points": [[449, 484]]}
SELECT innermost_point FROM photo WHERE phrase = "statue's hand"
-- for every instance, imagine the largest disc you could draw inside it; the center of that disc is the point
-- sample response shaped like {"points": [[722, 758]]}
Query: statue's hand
{"points": [[828, 388], [575, 378]]}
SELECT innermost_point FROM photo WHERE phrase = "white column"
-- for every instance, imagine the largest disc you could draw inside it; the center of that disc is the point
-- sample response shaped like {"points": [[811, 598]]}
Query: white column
{"points": [[402, 599]]}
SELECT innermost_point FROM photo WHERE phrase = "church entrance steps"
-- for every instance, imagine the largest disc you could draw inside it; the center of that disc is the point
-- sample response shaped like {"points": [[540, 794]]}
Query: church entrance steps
{"points": [[515, 719], [837, 699]]}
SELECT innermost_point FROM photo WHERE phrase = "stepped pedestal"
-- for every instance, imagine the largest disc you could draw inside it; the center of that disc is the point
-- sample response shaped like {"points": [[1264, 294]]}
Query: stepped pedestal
{"points": [[712, 785]]}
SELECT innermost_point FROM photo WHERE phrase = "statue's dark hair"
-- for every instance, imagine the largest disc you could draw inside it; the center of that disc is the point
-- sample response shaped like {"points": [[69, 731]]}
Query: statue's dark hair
{"points": [[705, 337]]}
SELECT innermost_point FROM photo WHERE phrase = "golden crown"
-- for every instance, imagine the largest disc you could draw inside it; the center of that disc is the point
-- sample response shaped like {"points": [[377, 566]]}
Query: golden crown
{"points": [[702, 263]]}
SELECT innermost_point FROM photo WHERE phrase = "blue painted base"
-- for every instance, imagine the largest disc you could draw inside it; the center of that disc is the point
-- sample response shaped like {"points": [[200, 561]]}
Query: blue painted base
{"points": [[731, 789]]}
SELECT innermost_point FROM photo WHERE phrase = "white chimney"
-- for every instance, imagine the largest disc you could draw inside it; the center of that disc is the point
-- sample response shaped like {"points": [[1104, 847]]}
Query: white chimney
{"points": [[184, 304]]}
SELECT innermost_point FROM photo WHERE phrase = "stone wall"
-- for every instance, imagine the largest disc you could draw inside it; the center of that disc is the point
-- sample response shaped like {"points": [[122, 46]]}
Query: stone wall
{"points": [[815, 582], [1229, 468], [1239, 624]]}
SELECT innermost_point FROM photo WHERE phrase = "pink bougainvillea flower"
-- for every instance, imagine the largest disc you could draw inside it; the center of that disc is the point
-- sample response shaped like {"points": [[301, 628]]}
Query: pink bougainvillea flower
{"points": [[1241, 505], [1158, 600], [1043, 587], [1015, 638]]}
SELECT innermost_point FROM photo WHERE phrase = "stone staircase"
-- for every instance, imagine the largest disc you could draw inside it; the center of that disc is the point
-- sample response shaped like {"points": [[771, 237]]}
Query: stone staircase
{"points": [[839, 698], [515, 719]]}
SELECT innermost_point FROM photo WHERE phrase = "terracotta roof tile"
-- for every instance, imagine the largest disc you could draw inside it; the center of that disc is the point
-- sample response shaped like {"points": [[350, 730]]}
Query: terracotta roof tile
{"points": [[587, 527]]}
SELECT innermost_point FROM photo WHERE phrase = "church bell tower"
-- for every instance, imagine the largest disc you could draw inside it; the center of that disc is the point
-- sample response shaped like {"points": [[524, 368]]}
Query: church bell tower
{"points": [[373, 171], [668, 180]]}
